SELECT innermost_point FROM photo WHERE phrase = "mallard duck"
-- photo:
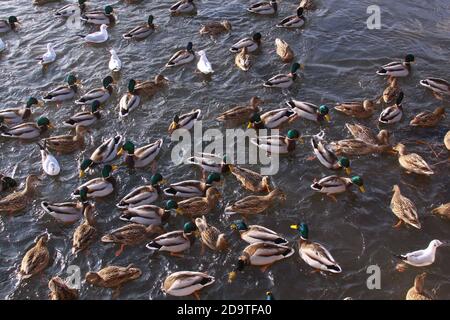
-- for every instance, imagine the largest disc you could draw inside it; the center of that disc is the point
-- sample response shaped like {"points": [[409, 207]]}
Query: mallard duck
{"points": [[105, 153], [333, 185], [85, 233], [251, 180], [443, 210], [85, 118], [255, 233], [19, 200], [7, 183], [412, 162], [422, 258], [114, 64], [8, 25], [243, 60], [310, 111], [210, 162], [284, 50], [151, 87], [59, 290], [140, 157], [273, 119], [35, 260], [251, 205], [214, 28], [264, 7], [439, 87], [183, 7], [294, 21], [358, 109], [113, 277], [428, 119], [358, 131], [196, 206], [97, 36], [313, 253], [326, 156], [143, 195], [417, 292], [278, 144], [66, 212], [100, 17], [130, 235], [404, 209], [390, 94], [242, 113], [393, 113], [356, 147], [185, 121], [283, 80], [185, 283], [252, 44], [398, 68], [63, 93], [146, 214], [142, 31], [66, 144], [447, 140], [15, 116], [70, 9], [308, 4], [174, 242], [181, 57], [211, 236], [99, 187], [27, 130], [192, 188], [100, 94], [49, 163], [129, 100]]}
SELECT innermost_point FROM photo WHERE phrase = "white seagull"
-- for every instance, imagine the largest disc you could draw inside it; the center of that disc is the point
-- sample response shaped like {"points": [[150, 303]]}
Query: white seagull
{"points": [[422, 258], [49, 163], [49, 56], [114, 63], [203, 65], [97, 37]]}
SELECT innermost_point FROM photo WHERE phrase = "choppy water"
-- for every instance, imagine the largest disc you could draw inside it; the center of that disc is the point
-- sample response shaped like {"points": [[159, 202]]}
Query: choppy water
{"points": [[340, 56]]}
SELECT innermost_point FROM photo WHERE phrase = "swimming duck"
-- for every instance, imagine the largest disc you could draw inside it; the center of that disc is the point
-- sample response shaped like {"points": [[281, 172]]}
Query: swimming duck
{"points": [[417, 292], [404, 209], [356, 147], [273, 119], [398, 68], [97, 36], [243, 60], [35, 260], [439, 87], [284, 50], [85, 118], [393, 113], [27, 130], [214, 28], [443, 210], [129, 100], [59, 290], [130, 235], [114, 64], [63, 93], [99, 187], [70, 9], [242, 113], [142, 31], [412, 162], [332, 185], [140, 157], [313, 253], [183, 7], [210, 162], [19, 200], [143, 195], [185, 121], [422, 258], [252, 44], [264, 7], [283, 80], [192, 188], [66, 212], [100, 94], [196, 206], [146, 214], [251, 180], [203, 64], [7, 183], [358, 131], [327, 157], [255, 233], [185, 283], [8, 25], [181, 57], [211, 236], [66, 144], [100, 17], [174, 242], [251, 205], [310, 111], [358, 109], [48, 57], [427, 118], [294, 21], [49, 163], [149, 88], [113, 277], [390, 94], [278, 144], [105, 153], [86, 232], [15, 116]]}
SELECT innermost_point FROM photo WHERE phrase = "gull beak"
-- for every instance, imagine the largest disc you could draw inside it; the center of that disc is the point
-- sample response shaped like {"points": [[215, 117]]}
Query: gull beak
{"points": [[82, 174], [120, 152], [362, 189], [327, 117], [348, 171]]}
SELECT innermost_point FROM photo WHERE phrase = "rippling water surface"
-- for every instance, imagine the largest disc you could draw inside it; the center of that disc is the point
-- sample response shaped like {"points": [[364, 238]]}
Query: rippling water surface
{"points": [[340, 56]]}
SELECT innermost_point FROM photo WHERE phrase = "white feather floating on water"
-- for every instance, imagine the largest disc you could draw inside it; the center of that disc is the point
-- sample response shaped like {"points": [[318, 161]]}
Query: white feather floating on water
{"points": [[114, 63], [203, 65]]}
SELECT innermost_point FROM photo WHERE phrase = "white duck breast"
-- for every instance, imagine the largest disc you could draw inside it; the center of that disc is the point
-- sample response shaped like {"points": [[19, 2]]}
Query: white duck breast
{"points": [[49, 56], [138, 197], [263, 7], [111, 146], [173, 241], [203, 64], [145, 214], [114, 62], [316, 256], [391, 114], [184, 283], [128, 103], [304, 110], [97, 37], [248, 43], [98, 188], [67, 212], [49, 163]]}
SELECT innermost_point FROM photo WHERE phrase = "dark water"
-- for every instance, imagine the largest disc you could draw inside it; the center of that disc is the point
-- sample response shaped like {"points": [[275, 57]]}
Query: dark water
{"points": [[340, 56]]}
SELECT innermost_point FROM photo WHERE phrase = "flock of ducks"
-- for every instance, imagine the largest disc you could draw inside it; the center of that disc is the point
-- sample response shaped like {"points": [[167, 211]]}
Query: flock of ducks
{"points": [[194, 199]]}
